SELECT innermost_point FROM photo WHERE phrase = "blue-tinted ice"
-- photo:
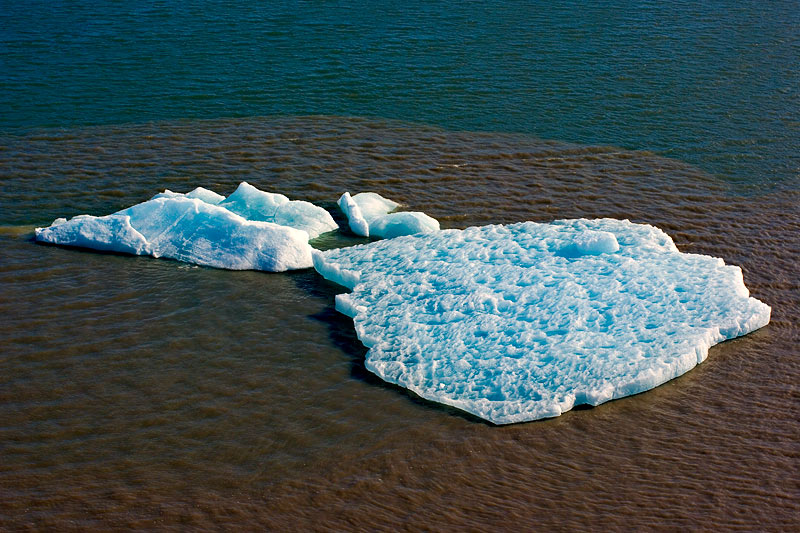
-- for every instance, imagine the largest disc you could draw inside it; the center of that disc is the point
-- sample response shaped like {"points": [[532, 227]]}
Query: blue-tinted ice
{"points": [[254, 204], [243, 232], [521, 322], [370, 215]]}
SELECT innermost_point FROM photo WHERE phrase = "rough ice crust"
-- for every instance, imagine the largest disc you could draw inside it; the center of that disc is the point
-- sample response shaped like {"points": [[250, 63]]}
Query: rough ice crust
{"points": [[522, 322], [369, 215], [188, 229]]}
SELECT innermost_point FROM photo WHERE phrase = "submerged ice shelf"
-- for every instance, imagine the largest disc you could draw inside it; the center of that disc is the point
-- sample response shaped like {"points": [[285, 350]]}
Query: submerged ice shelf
{"points": [[522, 322]]}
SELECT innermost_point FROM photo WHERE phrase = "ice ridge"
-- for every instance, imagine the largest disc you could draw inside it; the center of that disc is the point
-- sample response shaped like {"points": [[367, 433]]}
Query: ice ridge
{"points": [[251, 229]]}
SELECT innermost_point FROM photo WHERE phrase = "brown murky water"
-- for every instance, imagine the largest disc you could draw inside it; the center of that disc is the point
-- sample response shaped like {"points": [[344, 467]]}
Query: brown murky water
{"points": [[142, 393]]}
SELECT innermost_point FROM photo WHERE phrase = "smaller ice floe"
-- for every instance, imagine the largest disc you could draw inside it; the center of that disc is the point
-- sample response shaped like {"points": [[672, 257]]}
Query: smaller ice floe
{"points": [[525, 321], [254, 204], [177, 226], [370, 215]]}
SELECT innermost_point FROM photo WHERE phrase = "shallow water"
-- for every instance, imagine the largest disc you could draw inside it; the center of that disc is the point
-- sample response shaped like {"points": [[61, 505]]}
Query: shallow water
{"points": [[146, 393]]}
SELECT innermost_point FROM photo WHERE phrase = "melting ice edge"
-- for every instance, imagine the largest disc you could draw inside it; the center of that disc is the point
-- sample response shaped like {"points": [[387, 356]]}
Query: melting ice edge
{"points": [[510, 323]]}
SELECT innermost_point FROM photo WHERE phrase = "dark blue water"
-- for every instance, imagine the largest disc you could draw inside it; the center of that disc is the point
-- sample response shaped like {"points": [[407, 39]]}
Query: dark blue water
{"points": [[715, 84]]}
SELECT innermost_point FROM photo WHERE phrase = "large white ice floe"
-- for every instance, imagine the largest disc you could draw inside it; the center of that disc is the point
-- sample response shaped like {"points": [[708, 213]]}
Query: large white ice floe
{"points": [[370, 215], [521, 322], [190, 227]]}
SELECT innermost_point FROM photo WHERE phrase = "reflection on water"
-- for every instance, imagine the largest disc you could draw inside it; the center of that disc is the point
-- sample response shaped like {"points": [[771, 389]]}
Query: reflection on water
{"points": [[149, 393]]}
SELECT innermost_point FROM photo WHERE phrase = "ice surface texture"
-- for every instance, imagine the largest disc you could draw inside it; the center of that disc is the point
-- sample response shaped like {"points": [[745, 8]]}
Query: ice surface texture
{"points": [[521, 322], [201, 227], [254, 204], [369, 214]]}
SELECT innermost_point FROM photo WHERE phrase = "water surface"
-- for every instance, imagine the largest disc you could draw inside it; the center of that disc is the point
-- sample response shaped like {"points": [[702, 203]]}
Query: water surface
{"points": [[714, 84], [149, 393], [142, 393]]}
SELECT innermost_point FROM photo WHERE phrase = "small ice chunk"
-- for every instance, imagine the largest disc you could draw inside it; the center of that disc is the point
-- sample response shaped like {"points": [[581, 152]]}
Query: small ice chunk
{"points": [[358, 224], [208, 196], [373, 205], [403, 223], [306, 216], [254, 204], [500, 322], [187, 229], [166, 193], [369, 215], [111, 233], [591, 243]]}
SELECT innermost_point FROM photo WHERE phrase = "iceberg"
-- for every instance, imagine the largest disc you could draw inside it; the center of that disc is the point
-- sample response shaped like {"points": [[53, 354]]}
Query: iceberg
{"points": [[525, 321], [369, 215], [190, 229], [254, 204]]}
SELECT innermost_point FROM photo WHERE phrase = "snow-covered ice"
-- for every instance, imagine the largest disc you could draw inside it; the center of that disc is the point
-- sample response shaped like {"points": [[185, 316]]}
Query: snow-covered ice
{"points": [[370, 215], [190, 227], [525, 321]]}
